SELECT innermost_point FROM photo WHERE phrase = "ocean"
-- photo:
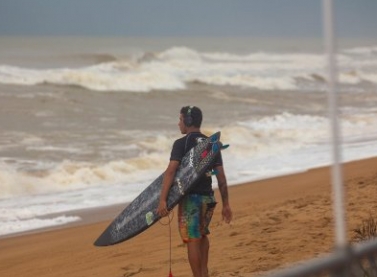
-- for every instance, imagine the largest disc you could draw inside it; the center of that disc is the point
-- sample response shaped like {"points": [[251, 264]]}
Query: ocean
{"points": [[90, 122]]}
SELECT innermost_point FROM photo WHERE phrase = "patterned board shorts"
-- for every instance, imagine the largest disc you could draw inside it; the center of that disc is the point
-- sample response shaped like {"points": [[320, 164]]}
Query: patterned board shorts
{"points": [[194, 215]]}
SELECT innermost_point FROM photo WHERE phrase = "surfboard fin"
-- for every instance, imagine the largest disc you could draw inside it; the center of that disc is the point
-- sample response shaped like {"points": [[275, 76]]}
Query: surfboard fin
{"points": [[224, 146], [214, 172]]}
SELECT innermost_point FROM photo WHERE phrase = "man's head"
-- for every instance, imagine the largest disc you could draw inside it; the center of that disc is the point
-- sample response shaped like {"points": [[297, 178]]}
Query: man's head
{"points": [[191, 116]]}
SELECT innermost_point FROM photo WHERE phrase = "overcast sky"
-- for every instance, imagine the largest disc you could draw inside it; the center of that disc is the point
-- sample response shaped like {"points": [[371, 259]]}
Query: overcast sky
{"points": [[252, 18]]}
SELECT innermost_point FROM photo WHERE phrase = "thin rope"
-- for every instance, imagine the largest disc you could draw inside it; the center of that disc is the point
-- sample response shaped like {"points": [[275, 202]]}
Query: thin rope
{"points": [[170, 239]]}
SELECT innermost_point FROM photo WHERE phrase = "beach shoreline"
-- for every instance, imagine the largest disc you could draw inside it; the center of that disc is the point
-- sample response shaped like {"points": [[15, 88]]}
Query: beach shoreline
{"points": [[277, 222], [109, 212]]}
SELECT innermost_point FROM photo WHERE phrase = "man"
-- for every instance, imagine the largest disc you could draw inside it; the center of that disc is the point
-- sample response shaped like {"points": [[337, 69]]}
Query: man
{"points": [[196, 208]]}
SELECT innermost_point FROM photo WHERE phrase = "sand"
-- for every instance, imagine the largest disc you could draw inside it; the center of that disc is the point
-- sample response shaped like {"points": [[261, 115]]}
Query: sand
{"points": [[277, 222]]}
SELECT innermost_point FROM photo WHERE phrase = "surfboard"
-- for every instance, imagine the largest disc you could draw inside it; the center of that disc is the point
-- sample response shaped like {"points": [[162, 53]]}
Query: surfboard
{"points": [[141, 213]]}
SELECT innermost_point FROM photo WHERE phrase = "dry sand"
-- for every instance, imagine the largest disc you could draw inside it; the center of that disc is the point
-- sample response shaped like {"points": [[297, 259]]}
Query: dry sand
{"points": [[277, 222]]}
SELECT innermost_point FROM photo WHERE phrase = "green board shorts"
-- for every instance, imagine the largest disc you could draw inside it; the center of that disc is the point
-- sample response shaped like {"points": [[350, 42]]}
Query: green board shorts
{"points": [[194, 216]]}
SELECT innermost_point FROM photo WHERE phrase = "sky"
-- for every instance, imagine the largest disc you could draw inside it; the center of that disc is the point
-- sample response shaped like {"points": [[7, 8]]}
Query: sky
{"points": [[184, 18]]}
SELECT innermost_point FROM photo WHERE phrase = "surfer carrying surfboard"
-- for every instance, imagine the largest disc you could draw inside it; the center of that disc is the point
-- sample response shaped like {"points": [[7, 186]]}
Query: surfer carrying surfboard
{"points": [[196, 208]]}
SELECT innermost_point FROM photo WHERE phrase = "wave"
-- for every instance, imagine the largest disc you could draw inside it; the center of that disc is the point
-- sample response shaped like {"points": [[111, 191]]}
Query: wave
{"points": [[72, 175], [260, 148], [371, 50], [93, 58], [10, 226], [174, 68], [265, 137]]}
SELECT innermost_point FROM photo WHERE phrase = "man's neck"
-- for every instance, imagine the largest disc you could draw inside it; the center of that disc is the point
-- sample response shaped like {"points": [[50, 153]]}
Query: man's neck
{"points": [[193, 130]]}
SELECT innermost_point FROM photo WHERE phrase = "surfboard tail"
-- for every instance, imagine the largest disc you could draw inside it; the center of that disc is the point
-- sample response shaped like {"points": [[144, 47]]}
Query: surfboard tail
{"points": [[103, 240]]}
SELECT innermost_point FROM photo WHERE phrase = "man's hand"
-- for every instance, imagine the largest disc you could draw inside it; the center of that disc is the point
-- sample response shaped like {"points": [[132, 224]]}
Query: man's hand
{"points": [[227, 214], [162, 209]]}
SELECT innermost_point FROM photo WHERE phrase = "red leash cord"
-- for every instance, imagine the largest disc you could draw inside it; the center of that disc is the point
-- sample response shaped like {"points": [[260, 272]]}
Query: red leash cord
{"points": [[170, 240]]}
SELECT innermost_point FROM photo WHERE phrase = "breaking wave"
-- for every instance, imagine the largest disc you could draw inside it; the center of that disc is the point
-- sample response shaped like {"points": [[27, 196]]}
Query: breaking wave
{"points": [[175, 67]]}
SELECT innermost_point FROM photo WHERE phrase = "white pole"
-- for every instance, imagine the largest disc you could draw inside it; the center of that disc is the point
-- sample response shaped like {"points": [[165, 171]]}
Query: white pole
{"points": [[337, 182]]}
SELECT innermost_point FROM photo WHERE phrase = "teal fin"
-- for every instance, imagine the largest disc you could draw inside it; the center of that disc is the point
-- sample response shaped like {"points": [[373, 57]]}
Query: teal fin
{"points": [[224, 146], [214, 172]]}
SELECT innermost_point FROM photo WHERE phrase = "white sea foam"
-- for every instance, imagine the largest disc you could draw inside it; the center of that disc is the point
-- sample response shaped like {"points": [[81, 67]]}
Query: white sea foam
{"points": [[70, 175], [260, 139], [362, 50], [290, 143], [173, 68], [17, 225], [260, 148]]}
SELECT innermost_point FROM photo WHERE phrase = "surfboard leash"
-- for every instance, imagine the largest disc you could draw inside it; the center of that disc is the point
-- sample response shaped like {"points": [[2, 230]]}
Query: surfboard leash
{"points": [[170, 219], [170, 239]]}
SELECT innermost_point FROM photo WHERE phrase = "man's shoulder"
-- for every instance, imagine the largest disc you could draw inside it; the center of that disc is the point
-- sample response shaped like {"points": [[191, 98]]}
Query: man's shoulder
{"points": [[196, 135], [179, 143], [189, 140], [180, 140]]}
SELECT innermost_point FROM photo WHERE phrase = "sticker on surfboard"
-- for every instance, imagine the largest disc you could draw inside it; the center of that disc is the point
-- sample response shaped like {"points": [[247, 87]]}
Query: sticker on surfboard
{"points": [[149, 218]]}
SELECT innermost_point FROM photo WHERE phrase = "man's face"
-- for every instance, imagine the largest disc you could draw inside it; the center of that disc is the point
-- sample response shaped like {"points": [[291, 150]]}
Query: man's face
{"points": [[181, 124]]}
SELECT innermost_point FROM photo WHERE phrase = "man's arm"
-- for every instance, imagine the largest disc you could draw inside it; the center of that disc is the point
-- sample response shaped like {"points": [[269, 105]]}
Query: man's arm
{"points": [[167, 181], [223, 188]]}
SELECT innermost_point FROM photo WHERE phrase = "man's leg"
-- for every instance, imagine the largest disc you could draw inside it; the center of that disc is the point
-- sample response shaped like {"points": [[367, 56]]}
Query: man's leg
{"points": [[197, 251], [194, 251], [204, 250]]}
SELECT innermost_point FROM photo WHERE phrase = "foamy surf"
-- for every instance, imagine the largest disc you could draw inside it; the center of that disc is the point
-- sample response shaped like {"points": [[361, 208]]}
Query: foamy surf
{"points": [[261, 148], [20, 225], [175, 67]]}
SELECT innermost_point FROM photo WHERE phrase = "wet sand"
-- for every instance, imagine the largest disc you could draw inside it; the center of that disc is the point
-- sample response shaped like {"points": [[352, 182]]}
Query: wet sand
{"points": [[277, 222]]}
